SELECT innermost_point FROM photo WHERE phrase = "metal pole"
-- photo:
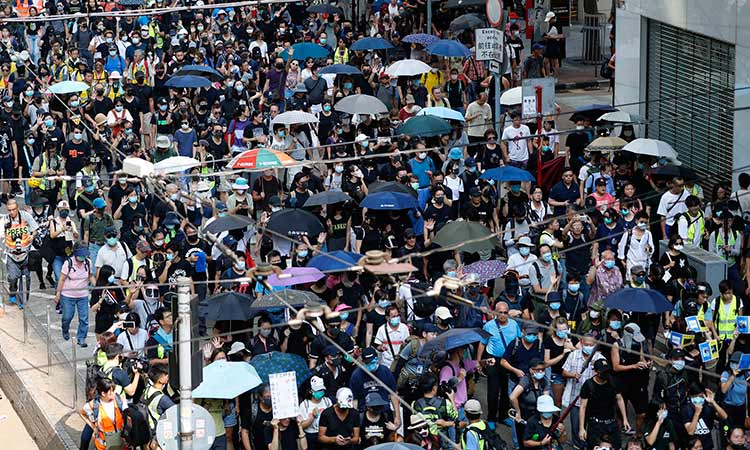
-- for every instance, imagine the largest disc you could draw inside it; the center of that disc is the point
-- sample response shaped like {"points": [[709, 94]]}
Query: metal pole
{"points": [[498, 77], [75, 375], [429, 16], [184, 346], [49, 339], [21, 298], [538, 93]]}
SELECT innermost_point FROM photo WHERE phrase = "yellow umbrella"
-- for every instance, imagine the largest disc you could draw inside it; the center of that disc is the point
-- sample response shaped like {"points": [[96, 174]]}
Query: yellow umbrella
{"points": [[607, 144]]}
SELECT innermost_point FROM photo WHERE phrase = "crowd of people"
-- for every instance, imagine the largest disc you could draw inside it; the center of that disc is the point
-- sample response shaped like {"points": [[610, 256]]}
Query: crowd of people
{"points": [[554, 365]]}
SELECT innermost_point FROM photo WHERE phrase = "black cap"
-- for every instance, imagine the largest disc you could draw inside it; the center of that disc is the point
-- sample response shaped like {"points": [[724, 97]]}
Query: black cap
{"points": [[368, 354], [601, 181], [330, 350], [409, 233], [602, 366], [676, 353], [475, 192]]}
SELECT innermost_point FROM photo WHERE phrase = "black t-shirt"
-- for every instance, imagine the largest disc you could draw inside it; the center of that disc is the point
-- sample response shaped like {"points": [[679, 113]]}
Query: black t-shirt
{"points": [[481, 213], [705, 423], [116, 193], [258, 428], [601, 399], [74, 154], [376, 319], [439, 215], [375, 431], [287, 437], [319, 343], [337, 427], [128, 214], [536, 431]]}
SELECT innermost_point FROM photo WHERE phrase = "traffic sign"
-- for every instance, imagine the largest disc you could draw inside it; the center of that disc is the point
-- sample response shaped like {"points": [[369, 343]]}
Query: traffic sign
{"points": [[489, 44], [494, 10], [528, 96], [495, 66], [168, 428]]}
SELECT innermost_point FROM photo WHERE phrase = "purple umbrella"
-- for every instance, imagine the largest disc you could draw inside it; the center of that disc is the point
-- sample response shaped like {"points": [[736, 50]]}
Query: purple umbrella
{"points": [[296, 275], [487, 270], [421, 38]]}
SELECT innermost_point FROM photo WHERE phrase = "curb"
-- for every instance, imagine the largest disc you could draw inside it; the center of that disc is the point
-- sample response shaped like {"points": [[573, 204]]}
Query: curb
{"points": [[588, 84]]}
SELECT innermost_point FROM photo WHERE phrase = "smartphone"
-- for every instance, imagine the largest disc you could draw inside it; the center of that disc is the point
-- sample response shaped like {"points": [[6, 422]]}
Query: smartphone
{"points": [[128, 324]]}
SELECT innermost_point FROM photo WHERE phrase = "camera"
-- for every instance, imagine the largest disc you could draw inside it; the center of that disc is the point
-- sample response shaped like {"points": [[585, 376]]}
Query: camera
{"points": [[447, 387], [133, 365]]}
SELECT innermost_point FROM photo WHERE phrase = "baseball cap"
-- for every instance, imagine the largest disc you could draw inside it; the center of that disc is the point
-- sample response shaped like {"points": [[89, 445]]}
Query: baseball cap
{"points": [[470, 162], [544, 403], [63, 204], [99, 203], [236, 348], [330, 350], [475, 192], [317, 384], [676, 353], [601, 366], [443, 313], [81, 250], [530, 327], [143, 247], [374, 399], [369, 354], [429, 328], [345, 398], [524, 241], [472, 406], [601, 181], [456, 153], [635, 330], [635, 270]]}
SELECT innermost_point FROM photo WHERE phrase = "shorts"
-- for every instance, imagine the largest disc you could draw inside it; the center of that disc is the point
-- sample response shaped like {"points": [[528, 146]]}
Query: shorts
{"points": [[230, 420], [634, 389], [557, 378], [6, 168]]}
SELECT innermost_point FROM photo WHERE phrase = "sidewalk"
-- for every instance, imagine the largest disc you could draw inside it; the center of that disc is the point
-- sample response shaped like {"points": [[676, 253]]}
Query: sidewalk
{"points": [[574, 74]]}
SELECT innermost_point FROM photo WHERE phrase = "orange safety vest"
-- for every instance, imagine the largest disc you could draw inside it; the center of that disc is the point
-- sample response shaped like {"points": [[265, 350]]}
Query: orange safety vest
{"points": [[106, 425]]}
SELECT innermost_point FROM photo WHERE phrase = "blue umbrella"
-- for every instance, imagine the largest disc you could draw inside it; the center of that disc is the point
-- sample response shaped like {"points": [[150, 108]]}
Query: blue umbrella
{"points": [[340, 69], [425, 126], [638, 300], [278, 362], [448, 47], [389, 201], [324, 9], [335, 261], [200, 71], [420, 38], [371, 43], [215, 375], [188, 81], [455, 338], [305, 50], [442, 112], [508, 173]]}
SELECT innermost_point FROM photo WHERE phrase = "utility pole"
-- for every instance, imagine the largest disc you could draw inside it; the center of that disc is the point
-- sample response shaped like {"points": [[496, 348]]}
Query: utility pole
{"points": [[429, 16], [184, 335]]}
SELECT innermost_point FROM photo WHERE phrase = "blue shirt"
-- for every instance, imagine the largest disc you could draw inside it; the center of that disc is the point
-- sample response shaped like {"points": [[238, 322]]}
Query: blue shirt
{"points": [[735, 396], [420, 169], [495, 344]]}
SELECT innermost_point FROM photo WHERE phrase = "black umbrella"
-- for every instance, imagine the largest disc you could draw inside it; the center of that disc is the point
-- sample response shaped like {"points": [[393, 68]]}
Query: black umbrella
{"points": [[229, 306], [324, 8], [466, 22], [671, 171], [390, 186], [227, 223], [591, 112], [327, 198], [293, 297], [295, 222], [464, 3]]}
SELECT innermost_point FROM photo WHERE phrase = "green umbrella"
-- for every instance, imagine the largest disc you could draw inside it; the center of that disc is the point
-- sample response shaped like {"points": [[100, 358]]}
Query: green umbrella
{"points": [[462, 231], [425, 126]]}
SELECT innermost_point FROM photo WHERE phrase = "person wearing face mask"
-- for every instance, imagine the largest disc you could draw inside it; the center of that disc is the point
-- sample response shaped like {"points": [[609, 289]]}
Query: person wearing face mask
{"points": [[598, 408], [264, 341], [521, 351], [700, 412], [545, 276], [95, 222], [63, 233], [107, 302], [734, 385], [333, 331], [539, 432], [390, 336], [632, 370], [422, 166], [674, 260], [419, 433], [254, 419], [310, 410], [175, 266], [736, 438], [691, 226], [577, 369], [594, 322], [129, 207], [532, 384], [552, 311], [670, 385], [377, 421], [636, 247], [604, 277], [339, 426], [72, 292]]}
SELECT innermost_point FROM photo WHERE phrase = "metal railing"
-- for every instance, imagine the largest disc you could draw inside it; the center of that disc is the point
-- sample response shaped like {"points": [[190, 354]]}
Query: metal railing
{"points": [[595, 38]]}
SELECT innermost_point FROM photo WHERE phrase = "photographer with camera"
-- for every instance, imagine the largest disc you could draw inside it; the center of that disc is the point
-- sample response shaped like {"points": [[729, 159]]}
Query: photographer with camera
{"points": [[62, 234], [20, 231], [133, 338], [438, 409], [113, 370]]}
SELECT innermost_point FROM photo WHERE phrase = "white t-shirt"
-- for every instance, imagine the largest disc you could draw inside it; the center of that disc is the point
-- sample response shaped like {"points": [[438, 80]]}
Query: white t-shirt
{"points": [[671, 205], [113, 257], [138, 340], [521, 265], [554, 138], [518, 148], [307, 406], [398, 337], [456, 185]]}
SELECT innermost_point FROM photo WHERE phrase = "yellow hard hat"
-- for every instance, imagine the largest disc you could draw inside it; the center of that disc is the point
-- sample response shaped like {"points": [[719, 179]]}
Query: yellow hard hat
{"points": [[34, 182]]}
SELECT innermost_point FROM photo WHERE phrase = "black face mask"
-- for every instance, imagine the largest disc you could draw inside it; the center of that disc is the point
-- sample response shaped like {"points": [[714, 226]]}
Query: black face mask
{"points": [[266, 401], [334, 331], [192, 239], [279, 66]]}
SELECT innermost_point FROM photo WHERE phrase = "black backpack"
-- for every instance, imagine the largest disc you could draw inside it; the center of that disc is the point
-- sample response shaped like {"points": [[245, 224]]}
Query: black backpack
{"points": [[94, 373], [136, 430], [492, 440]]}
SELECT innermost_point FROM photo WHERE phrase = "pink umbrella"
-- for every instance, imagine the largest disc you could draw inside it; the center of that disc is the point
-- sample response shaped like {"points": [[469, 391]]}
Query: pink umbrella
{"points": [[296, 275]]}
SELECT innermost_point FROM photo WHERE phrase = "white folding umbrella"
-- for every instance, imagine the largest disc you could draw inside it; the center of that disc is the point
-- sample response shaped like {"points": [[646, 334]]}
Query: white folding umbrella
{"points": [[176, 164], [294, 117], [361, 104], [67, 87], [511, 97], [137, 167], [651, 147], [618, 117], [407, 68]]}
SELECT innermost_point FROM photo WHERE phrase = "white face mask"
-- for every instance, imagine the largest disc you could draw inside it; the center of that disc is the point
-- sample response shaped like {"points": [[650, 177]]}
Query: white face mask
{"points": [[422, 155]]}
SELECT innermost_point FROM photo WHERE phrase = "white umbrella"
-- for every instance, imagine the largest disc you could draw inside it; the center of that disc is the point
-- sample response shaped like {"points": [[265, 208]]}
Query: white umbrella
{"points": [[175, 164], [361, 104], [651, 147], [407, 68], [511, 96], [67, 87], [137, 167], [442, 112], [618, 117], [293, 117]]}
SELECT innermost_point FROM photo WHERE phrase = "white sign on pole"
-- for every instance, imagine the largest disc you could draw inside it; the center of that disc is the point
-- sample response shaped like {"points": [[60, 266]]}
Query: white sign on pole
{"points": [[489, 44], [284, 400], [529, 107]]}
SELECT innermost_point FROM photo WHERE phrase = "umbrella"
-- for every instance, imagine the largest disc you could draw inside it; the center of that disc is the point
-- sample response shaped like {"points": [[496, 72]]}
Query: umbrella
{"points": [[176, 164], [278, 362], [407, 68], [607, 143], [327, 198], [296, 275], [391, 186], [671, 171], [619, 117], [425, 126], [390, 201], [335, 261], [638, 300], [512, 96], [295, 222], [394, 446], [442, 112], [454, 338], [229, 306], [68, 87], [361, 104], [461, 231], [463, 3], [261, 158], [324, 8], [421, 39], [651, 147], [294, 117], [187, 81], [591, 112], [200, 71], [304, 50], [466, 22], [228, 223], [215, 375], [448, 47], [487, 270], [291, 297], [340, 69], [508, 173], [371, 43]]}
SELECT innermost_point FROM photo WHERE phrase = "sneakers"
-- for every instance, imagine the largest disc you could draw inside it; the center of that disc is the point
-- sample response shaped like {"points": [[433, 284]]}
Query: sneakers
{"points": [[66, 336], [83, 344], [20, 306], [12, 300], [508, 422], [491, 425]]}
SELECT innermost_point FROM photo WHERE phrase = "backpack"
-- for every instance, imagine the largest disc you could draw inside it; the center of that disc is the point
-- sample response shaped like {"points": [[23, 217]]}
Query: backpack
{"points": [[492, 440], [605, 71], [136, 430], [94, 373]]}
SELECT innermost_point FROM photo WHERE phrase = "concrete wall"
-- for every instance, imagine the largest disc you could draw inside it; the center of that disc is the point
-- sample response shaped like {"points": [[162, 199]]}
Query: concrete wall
{"points": [[725, 20]]}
